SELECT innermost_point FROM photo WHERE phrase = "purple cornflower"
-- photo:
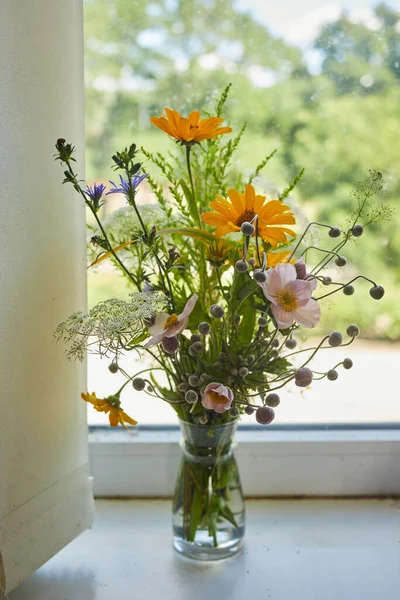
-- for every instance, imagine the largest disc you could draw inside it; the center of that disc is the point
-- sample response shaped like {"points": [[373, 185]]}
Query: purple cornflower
{"points": [[124, 184], [95, 193]]}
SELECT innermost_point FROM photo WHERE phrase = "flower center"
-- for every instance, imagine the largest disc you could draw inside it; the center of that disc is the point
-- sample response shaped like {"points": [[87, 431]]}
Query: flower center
{"points": [[217, 398], [247, 216], [287, 300], [172, 319]]}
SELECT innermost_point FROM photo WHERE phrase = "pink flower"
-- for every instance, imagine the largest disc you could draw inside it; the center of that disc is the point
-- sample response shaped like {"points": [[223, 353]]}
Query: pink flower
{"points": [[167, 327], [217, 397], [290, 297], [301, 272]]}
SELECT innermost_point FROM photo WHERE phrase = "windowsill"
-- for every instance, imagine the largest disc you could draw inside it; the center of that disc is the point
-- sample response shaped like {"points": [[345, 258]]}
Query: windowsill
{"points": [[301, 549]]}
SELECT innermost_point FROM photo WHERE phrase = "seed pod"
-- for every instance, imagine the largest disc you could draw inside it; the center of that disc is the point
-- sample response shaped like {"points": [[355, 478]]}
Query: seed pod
{"points": [[204, 377], [303, 377], [250, 359], [252, 262], [259, 276], [275, 343], [243, 371], [195, 338], [247, 228], [234, 411], [191, 396], [291, 344], [265, 415], [113, 367], [341, 261], [262, 321], [357, 230], [194, 380], [332, 374], [335, 339], [204, 328], [198, 347], [353, 331], [348, 290], [242, 266], [138, 384], [377, 292], [274, 354], [203, 420], [334, 232], [347, 363], [272, 400], [249, 410], [327, 280], [217, 311], [234, 372]]}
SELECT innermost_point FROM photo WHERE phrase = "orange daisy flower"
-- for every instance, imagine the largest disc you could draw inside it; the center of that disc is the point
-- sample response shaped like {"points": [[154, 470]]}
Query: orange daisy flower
{"points": [[112, 406], [191, 130], [274, 258], [272, 216]]}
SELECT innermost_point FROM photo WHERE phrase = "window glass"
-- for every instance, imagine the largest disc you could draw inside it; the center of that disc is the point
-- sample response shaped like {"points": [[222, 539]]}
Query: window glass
{"points": [[317, 81]]}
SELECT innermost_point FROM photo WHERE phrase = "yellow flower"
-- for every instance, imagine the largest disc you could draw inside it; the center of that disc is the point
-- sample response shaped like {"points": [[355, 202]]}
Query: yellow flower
{"points": [[274, 258], [272, 216], [112, 406], [218, 253], [191, 130]]}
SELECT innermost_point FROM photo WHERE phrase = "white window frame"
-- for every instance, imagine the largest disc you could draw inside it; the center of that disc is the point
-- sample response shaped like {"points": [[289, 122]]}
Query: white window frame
{"points": [[352, 460]]}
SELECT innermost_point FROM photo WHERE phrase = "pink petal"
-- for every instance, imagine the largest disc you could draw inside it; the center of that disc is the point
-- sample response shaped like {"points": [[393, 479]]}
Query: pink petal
{"points": [[282, 317], [177, 327], [309, 314], [313, 281], [161, 319], [155, 339], [286, 272], [190, 304], [301, 289]]}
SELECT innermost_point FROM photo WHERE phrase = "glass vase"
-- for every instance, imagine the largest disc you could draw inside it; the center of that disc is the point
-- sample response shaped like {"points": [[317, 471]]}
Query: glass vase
{"points": [[208, 506]]}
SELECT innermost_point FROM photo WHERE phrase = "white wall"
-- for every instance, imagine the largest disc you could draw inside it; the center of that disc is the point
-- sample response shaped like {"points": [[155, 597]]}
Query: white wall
{"points": [[44, 489]]}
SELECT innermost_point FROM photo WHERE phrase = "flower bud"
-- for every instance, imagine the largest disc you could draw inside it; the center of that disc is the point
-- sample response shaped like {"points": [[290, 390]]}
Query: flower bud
{"points": [[341, 261], [265, 415], [195, 338], [259, 276], [194, 380], [242, 266], [348, 290], [301, 270], [170, 344], [347, 363], [335, 339], [327, 280], [272, 400], [357, 230], [247, 228], [250, 359], [291, 344], [204, 328], [182, 387], [275, 343], [243, 371], [303, 377], [217, 311], [377, 292], [252, 262], [138, 384], [262, 321], [334, 232], [198, 347], [204, 377], [191, 396], [249, 410], [274, 354], [113, 367], [192, 351], [353, 331], [234, 411], [332, 374]]}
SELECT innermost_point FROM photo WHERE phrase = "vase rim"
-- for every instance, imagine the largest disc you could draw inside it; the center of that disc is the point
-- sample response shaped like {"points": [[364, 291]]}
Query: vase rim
{"points": [[208, 425]]}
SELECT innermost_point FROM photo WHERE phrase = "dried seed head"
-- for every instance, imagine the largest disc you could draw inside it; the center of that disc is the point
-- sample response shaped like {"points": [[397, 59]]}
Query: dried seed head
{"points": [[113, 367], [334, 232], [272, 400], [138, 384], [204, 328], [347, 363], [327, 280], [259, 276], [335, 339], [357, 230], [242, 266], [275, 343], [353, 331], [332, 374], [341, 261], [243, 371], [250, 359], [191, 396], [303, 377], [234, 411], [195, 337], [262, 322], [182, 387], [265, 415], [247, 228], [204, 377], [249, 410], [194, 380], [203, 420], [198, 347], [291, 344], [348, 290], [377, 292], [217, 311]]}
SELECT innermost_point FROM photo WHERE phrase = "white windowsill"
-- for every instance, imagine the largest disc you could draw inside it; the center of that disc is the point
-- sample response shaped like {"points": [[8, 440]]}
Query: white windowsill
{"points": [[364, 462], [303, 549]]}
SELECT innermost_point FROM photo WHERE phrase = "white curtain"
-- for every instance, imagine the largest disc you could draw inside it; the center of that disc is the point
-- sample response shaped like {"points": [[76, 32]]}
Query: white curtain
{"points": [[45, 497]]}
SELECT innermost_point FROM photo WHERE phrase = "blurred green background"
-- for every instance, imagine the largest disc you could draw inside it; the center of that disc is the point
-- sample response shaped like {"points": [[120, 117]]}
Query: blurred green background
{"points": [[329, 103]]}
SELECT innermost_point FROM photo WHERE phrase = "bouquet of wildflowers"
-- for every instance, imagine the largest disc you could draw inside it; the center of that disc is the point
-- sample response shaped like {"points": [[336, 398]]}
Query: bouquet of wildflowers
{"points": [[221, 282]]}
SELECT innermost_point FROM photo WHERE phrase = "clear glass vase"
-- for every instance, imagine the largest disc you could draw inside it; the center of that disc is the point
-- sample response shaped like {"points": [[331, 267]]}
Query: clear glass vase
{"points": [[208, 506]]}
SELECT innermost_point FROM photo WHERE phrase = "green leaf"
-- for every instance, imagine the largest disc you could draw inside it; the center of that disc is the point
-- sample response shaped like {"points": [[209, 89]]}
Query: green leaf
{"points": [[248, 321], [226, 512], [196, 511]]}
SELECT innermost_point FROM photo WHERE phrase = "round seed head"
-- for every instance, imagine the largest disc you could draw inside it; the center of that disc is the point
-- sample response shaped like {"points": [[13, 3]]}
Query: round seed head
{"points": [[198, 347], [377, 292], [291, 344], [204, 328], [347, 363], [265, 415], [275, 344], [242, 361], [348, 290], [192, 351], [272, 400], [335, 339], [357, 230], [259, 276], [243, 371], [204, 377], [234, 411], [247, 228], [242, 266], [113, 367], [262, 321], [332, 374], [274, 354], [217, 311], [303, 377], [195, 337], [250, 359], [249, 410], [252, 262], [353, 331], [191, 396], [327, 280], [334, 232], [194, 380], [341, 261], [203, 420], [138, 384], [182, 387], [150, 388]]}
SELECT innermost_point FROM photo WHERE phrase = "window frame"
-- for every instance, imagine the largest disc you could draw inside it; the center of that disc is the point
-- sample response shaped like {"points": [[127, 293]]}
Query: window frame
{"points": [[336, 460]]}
